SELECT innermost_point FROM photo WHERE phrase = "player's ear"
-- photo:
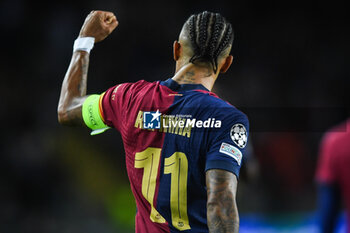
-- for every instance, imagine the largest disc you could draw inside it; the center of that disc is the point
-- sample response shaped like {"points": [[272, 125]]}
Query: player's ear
{"points": [[227, 64], [177, 50]]}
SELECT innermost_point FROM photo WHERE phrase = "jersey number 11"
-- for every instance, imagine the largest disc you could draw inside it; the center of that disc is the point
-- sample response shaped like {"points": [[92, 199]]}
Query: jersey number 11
{"points": [[177, 166]]}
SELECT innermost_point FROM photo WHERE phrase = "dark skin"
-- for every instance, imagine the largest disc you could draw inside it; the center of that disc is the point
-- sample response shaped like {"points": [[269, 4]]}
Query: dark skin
{"points": [[98, 24], [222, 213]]}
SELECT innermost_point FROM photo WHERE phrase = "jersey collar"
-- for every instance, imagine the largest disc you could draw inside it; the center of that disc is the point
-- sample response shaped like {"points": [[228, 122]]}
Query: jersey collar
{"points": [[173, 85]]}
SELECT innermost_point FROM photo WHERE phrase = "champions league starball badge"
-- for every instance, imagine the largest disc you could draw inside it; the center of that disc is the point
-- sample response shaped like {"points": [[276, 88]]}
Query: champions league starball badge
{"points": [[239, 135]]}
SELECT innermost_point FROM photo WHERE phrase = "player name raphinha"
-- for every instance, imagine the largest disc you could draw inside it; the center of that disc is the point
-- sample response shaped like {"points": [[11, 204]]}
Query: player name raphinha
{"points": [[178, 125]]}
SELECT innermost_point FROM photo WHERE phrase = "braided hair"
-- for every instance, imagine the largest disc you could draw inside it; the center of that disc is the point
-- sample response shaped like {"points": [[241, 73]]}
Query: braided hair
{"points": [[210, 34]]}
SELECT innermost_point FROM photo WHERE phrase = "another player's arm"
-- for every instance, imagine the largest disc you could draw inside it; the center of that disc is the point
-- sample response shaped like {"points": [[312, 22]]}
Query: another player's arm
{"points": [[98, 24], [222, 212]]}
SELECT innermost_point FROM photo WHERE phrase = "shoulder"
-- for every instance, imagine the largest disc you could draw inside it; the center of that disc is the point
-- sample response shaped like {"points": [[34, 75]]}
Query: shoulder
{"points": [[139, 84], [131, 87], [212, 107], [219, 107], [336, 137], [337, 133]]}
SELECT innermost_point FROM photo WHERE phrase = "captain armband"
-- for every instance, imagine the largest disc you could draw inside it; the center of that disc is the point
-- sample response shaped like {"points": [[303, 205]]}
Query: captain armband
{"points": [[92, 115]]}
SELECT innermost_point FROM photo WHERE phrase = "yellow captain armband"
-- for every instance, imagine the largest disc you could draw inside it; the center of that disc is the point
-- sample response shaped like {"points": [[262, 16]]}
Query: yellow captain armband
{"points": [[92, 116]]}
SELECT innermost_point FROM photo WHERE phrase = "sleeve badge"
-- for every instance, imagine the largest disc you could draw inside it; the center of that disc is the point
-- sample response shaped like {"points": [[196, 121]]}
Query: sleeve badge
{"points": [[239, 135]]}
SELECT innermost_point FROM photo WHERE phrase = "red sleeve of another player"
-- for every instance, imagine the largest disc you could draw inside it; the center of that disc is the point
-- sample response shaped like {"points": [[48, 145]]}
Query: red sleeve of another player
{"points": [[326, 171], [113, 103]]}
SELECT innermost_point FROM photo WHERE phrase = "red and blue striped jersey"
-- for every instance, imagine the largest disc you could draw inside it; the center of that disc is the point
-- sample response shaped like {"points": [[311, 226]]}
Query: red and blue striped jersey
{"points": [[172, 135]]}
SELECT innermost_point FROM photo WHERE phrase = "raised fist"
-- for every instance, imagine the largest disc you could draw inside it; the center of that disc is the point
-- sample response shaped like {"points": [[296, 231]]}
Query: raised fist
{"points": [[98, 24]]}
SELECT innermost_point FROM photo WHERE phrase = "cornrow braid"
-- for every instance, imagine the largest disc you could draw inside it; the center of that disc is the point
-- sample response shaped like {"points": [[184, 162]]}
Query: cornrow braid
{"points": [[224, 42], [193, 37], [203, 30], [210, 34]]}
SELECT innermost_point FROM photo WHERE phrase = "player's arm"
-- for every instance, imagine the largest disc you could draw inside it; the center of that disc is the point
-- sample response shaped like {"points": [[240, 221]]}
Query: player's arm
{"points": [[97, 25], [222, 212]]}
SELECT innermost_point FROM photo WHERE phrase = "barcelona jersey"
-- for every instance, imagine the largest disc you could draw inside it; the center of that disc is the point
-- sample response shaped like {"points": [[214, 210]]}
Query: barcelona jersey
{"points": [[172, 135]]}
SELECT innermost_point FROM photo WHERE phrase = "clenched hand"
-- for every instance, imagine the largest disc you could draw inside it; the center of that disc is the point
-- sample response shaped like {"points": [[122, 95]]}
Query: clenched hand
{"points": [[98, 24]]}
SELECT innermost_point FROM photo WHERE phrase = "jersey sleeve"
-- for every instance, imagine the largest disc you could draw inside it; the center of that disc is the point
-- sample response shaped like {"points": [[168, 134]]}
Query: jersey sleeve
{"points": [[92, 116], [227, 144], [113, 105], [326, 172], [105, 111]]}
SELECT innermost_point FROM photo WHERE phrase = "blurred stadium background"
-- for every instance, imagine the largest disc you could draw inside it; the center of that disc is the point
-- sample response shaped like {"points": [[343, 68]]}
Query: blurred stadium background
{"points": [[290, 76]]}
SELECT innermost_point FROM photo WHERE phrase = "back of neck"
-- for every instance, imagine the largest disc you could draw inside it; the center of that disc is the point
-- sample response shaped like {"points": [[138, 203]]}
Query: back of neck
{"points": [[193, 74]]}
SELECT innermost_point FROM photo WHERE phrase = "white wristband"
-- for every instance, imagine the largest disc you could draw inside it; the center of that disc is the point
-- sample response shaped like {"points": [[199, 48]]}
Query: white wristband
{"points": [[84, 44]]}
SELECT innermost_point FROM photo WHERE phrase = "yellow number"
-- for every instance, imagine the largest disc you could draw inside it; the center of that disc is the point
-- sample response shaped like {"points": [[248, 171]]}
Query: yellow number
{"points": [[149, 161], [177, 166]]}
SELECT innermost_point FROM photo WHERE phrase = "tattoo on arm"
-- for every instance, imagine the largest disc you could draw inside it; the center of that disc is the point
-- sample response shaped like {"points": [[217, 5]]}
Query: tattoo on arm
{"points": [[73, 91], [222, 212]]}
